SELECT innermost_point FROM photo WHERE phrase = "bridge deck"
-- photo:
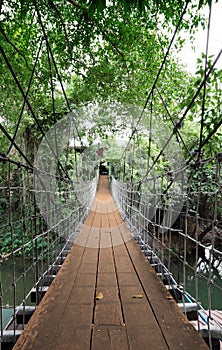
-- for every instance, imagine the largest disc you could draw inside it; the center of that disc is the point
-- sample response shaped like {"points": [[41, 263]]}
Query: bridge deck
{"points": [[106, 295]]}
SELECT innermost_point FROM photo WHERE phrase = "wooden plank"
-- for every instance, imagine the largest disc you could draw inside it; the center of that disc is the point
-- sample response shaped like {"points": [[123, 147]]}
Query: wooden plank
{"points": [[42, 328], [94, 238], [105, 238], [108, 314], [78, 315], [110, 294], [38, 334], [118, 218], [106, 255], [81, 295], [109, 267], [112, 220], [146, 338], [124, 264], [128, 279], [90, 256], [126, 234], [68, 337], [85, 280], [116, 238], [170, 318], [104, 219], [120, 250], [132, 294], [112, 338], [106, 279], [88, 268], [61, 285], [97, 221], [118, 338], [100, 339], [82, 237], [139, 315]]}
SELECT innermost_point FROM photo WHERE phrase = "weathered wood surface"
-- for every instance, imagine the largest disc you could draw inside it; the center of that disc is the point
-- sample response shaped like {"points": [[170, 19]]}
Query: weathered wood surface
{"points": [[91, 304]]}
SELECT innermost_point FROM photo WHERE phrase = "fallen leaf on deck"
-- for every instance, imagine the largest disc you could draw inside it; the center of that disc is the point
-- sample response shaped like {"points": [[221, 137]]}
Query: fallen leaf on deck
{"points": [[137, 296], [99, 296]]}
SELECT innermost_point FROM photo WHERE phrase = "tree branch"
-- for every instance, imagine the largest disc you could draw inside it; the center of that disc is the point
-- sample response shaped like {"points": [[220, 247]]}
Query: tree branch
{"points": [[119, 52]]}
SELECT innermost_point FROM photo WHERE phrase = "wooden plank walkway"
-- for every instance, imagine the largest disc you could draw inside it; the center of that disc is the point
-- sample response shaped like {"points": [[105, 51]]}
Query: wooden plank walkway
{"points": [[106, 296]]}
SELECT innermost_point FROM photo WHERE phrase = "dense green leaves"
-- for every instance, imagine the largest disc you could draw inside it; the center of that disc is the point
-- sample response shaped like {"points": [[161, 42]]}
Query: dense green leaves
{"points": [[100, 51]]}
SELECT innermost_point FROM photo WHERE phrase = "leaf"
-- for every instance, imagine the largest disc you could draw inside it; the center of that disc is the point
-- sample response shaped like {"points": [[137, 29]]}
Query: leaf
{"points": [[137, 296], [99, 296]]}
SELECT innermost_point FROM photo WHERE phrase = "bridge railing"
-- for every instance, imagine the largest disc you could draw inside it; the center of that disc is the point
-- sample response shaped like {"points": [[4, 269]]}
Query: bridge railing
{"points": [[34, 239], [181, 236]]}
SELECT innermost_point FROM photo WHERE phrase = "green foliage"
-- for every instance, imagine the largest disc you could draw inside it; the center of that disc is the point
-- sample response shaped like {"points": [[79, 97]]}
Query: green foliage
{"points": [[203, 187], [208, 105], [104, 51]]}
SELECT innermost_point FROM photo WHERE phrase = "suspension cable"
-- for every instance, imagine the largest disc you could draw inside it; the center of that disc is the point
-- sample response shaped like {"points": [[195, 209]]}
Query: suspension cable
{"points": [[178, 124], [30, 107], [25, 99], [204, 87], [15, 145], [159, 72], [204, 142], [55, 65], [173, 122]]}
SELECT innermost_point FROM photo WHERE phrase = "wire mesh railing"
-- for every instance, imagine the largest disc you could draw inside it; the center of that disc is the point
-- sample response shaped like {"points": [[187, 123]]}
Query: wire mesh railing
{"points": [[179, 230], [34, 240]]}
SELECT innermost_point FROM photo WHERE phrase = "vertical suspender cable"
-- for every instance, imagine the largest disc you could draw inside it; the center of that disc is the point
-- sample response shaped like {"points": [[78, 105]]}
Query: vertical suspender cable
{"points": [[205, 81]]}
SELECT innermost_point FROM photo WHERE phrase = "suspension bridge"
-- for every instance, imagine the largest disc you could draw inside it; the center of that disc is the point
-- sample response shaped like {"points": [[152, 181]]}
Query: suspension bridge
{"points": [[97, 254], [106, 295], [107, 287]]}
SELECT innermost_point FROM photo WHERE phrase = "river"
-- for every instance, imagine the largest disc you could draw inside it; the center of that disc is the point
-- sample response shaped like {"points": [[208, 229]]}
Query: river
{"points": [[25, 282], [202, 286]]}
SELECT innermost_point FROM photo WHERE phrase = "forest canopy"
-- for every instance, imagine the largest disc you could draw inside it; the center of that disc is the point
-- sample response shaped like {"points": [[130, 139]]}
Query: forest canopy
{"points": [[60, 55]]}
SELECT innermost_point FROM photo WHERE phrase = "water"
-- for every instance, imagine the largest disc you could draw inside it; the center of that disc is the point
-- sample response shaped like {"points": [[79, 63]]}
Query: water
{"points": [[7, 314], [201, 287], [17, 293], [24, 281]]}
